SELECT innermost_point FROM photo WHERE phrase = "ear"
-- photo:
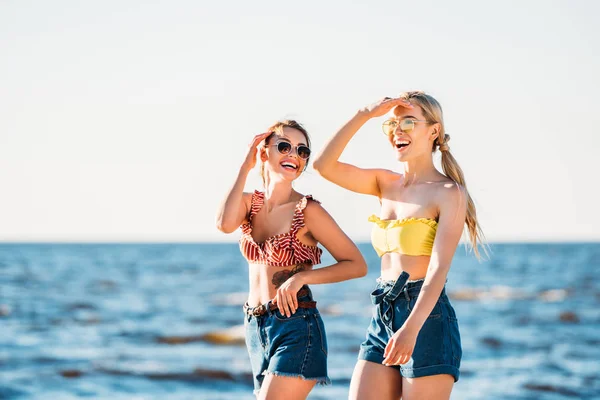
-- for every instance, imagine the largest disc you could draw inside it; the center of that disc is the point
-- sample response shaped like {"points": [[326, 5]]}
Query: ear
{"points": [[263, 154], [435, 131]]}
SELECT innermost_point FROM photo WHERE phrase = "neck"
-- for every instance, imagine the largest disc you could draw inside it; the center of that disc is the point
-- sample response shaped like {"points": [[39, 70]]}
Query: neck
{"points": [[420, 169], [278, 193]]}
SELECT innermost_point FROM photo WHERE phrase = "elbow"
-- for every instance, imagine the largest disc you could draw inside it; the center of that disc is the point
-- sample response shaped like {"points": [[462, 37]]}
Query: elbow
{"points": [[361, 268], [319, 166], [224, 227]]}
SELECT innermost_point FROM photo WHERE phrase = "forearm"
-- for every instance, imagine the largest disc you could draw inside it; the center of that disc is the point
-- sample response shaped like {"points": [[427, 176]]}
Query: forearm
{"points": [[228, 212], [338, 272], [428, 297], [335, 146]]}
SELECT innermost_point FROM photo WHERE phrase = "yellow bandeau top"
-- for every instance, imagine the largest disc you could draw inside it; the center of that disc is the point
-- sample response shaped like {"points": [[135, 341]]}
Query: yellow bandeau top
{"points": [[410, 236]]}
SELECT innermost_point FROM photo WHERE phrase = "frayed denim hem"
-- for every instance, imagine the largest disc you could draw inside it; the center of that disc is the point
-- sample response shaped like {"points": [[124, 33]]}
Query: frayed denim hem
{"points": [[322, 381]]}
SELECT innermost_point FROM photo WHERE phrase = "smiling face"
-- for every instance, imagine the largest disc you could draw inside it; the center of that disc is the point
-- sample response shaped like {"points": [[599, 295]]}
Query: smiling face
{"points": [[410, 132], [280, 154]]}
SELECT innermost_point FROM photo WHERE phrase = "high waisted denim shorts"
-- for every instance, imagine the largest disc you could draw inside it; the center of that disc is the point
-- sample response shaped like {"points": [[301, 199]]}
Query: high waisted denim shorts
{"points": [[294, 346], [437, 350]]}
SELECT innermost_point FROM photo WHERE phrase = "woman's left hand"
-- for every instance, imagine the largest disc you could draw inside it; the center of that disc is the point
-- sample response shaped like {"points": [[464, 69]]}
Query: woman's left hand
{"points": [[286, 298], [400, 348]]}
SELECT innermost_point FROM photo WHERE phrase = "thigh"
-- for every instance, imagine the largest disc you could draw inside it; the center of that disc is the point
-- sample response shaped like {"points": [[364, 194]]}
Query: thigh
{"points": [[375, 381], [285, 388], [434, 387]]}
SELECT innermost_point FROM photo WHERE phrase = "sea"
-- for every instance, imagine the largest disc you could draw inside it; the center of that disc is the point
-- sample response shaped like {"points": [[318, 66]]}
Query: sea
{"points": [[164, 321]]}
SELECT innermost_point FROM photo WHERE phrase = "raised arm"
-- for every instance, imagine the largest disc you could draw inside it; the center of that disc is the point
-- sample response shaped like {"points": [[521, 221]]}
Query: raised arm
{"points": [[348, 176], [235, 207], [349, 261]]}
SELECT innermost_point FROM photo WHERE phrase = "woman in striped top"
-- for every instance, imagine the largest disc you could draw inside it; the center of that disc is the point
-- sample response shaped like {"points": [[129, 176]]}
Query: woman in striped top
{"points": [[280, 232]]}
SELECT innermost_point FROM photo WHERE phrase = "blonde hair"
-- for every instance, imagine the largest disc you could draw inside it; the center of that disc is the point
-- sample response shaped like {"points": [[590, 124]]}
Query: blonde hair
{"points": [[277, 129], [432, 111]]}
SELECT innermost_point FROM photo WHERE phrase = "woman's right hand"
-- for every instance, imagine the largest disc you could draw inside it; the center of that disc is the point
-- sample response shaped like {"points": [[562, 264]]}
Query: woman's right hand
{"points": [[250, 160], [384, 106]]}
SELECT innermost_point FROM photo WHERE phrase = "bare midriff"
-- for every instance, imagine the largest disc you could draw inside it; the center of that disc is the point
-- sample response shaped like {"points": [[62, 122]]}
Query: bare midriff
{"points": [[393, 264], [266, 279]]}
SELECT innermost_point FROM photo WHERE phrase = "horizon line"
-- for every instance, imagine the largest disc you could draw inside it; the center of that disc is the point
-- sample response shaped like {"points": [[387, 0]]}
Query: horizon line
{"points": [[225, 242]]}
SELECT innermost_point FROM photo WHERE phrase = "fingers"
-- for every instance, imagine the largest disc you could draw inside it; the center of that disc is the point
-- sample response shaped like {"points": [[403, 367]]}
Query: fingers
{"points": [[396, 101], [295, 303], [290, 306], [395, 355], [259, 138], [286, 302], [280, 302]]}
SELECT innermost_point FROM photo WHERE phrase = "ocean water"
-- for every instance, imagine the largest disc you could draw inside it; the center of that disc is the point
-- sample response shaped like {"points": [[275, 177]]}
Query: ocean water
{"points": [[157, 321]]}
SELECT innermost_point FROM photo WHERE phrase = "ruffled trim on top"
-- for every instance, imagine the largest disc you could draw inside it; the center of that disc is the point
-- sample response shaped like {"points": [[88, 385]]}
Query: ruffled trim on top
{"points": [[258, 199], [393, 223], [298, 219]]}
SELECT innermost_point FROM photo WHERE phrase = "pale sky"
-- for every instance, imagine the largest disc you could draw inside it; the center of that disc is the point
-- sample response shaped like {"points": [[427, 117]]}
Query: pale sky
{"points": [[128, 120]]}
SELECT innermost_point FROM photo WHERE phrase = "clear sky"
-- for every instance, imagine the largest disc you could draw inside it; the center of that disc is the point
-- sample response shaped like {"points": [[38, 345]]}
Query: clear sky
{"points": [[128, 120]]}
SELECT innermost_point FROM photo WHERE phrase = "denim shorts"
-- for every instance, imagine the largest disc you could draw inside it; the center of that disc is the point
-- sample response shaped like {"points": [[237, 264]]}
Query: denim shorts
{"points": [[437, 350], [294, 346]]}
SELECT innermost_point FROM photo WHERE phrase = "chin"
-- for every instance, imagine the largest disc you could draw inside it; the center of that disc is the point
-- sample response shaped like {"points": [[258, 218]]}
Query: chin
{"points": [[288, 176], [402, 157]]}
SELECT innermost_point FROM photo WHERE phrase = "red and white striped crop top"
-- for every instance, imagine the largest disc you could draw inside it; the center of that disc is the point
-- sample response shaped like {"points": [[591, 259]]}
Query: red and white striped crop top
{"points": [[280, 250]]}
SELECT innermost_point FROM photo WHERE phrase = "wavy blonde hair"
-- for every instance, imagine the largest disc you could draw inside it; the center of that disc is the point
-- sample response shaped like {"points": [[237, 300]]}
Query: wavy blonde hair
{"points": [[277, 129], [432, 111]]}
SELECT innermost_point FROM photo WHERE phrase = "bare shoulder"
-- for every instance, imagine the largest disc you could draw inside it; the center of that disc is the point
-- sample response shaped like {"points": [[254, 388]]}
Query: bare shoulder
{"points": [[313, 209], [450, 188], [386, 179], [387, 176], [448, 192]]}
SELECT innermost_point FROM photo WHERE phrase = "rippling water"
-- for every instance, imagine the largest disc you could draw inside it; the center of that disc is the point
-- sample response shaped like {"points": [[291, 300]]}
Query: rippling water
{"points": [[156, 321]]}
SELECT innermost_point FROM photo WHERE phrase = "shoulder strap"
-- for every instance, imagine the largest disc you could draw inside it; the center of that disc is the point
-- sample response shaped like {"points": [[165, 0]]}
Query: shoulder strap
{"points": [[258, 199], [298, 220]]}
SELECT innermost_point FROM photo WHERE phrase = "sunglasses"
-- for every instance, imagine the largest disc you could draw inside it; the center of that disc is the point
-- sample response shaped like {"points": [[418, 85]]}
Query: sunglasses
{"points": [[286, 148], [405, 125]]}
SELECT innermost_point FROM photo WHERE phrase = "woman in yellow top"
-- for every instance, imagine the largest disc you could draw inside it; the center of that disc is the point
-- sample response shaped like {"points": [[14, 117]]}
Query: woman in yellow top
{"points": [[412, 349]]}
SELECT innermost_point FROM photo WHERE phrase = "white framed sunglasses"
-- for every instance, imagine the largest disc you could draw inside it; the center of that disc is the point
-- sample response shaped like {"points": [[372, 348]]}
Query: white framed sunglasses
{"points": [[406, 125], [284, 148]]}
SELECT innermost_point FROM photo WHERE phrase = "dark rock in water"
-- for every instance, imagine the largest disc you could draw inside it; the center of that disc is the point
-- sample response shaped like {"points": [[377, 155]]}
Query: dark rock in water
{"points": [[91, 320], [4, 310], [179, 339], [196, 320], [569, 316], [467, 373], [224, 337], [524, 320], [231, 336], [56, 321], [71, 373], [492, 342], [552, 389], [212, 374], [104, 285], [198, 374], [81, 306]]}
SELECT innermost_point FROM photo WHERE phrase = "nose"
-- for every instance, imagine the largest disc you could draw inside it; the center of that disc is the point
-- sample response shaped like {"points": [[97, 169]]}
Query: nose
{"points": [[293, 151]]}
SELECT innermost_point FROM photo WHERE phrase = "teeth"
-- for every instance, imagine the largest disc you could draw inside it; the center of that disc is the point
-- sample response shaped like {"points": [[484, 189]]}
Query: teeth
{"points": [[288, 165]]}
